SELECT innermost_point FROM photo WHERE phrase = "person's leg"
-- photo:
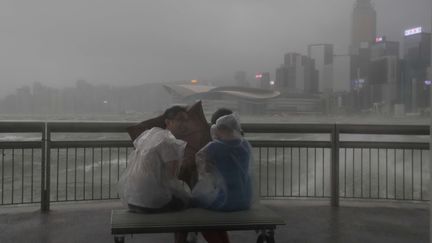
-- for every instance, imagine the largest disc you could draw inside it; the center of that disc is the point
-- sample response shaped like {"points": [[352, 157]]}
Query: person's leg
{"points": [[175, 204], [224, 236], [216, 236]]}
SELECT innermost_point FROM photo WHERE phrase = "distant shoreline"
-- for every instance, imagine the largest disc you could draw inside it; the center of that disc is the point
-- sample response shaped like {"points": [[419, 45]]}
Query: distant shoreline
{"points": [[282, 118]]}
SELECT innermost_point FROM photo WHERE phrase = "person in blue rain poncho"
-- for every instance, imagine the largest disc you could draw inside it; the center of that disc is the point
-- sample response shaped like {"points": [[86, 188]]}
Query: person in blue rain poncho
{"points": [[224, 169]]}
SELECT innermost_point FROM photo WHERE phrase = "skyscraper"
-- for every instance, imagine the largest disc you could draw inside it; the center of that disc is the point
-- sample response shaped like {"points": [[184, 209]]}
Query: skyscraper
{"points": [[323, 56], [384, 74], [363, 33], [382, 48], [416, 55], [363, 24], [297, 74]]}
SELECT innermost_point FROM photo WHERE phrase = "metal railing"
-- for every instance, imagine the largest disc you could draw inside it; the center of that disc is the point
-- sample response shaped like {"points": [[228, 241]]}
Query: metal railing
{"points": [[287, 168], [85, 169], [62, 163], [20, 158], [390, 170], [386, 170]]}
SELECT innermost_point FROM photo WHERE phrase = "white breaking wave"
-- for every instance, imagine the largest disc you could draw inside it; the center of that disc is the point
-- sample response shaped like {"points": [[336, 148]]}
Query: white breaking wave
{"points": [[97, 164]]}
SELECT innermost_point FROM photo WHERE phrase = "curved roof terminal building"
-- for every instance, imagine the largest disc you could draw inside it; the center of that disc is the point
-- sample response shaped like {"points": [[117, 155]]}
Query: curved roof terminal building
{"points": [[245, 100]]}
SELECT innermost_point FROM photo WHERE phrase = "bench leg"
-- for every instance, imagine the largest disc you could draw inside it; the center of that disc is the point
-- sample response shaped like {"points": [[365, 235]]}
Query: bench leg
{"points": [[119, 239], [266, 236], [270, 236]]}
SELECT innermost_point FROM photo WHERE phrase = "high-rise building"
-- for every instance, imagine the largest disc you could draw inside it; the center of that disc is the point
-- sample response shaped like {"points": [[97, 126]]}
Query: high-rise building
{"points": [[363, 27], [417, 60], [323, 56], [383, 83], [384, 74], [285, 78], [297, 74], [359, 76], [382, 47], [264, 80], [363, 34], [360, 65], [311, 76]]}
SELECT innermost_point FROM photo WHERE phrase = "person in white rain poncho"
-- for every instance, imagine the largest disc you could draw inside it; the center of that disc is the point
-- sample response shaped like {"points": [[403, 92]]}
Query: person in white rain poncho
{"points": [[224, 168], [150, 184]]}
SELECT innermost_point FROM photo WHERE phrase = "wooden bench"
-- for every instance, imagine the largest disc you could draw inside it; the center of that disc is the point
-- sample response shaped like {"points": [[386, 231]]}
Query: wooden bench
{"points": [[258, 218]]}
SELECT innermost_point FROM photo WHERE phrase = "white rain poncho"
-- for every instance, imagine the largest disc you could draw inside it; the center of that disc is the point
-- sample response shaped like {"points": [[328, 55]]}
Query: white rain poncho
{"points": [[146, 181], [224, 170]]}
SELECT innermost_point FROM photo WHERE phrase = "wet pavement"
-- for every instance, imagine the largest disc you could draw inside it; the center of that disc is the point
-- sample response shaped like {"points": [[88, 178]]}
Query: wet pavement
{"points": [[307, 221]]}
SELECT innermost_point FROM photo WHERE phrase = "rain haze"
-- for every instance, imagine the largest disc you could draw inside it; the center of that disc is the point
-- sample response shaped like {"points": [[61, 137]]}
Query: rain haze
{"points": [[134, 42], [326, 103]]}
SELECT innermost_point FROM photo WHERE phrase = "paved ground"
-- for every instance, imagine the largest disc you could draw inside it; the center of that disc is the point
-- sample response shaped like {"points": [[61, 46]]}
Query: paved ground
{"points": [[307, 221]]}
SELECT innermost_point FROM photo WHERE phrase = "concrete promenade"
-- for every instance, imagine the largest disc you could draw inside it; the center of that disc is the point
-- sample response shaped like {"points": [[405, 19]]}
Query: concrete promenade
{"points": [[307, 221]]}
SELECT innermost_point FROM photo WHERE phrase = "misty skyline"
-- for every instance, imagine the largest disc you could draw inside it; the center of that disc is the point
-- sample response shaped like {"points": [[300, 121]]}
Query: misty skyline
{"points": [[133, 42]]}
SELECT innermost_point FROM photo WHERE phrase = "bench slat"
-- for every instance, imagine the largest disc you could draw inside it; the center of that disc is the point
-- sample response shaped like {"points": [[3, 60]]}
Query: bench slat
{"points": [[194, 219]]}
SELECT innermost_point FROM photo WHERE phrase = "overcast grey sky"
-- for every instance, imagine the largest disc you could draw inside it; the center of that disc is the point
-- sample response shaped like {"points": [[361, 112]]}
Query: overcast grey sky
{"points": [[127, 42]]}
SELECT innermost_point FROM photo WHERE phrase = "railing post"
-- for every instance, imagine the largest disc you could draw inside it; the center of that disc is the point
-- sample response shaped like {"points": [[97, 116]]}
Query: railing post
{"points": [[45, 179], [430, 157], [334, 172]]}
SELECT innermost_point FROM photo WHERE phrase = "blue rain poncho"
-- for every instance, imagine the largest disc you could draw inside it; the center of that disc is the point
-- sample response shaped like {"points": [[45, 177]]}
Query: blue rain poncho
{"points": [[146, 181], [224, 171]]}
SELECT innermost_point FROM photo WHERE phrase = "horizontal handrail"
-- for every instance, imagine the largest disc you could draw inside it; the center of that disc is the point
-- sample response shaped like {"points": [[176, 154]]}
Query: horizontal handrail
{"points": [[286, 128], [89, 144], [278, 144], [119, 127], [88, 127], [19, 145], [21, 127], [384, 145], [384, 129]]}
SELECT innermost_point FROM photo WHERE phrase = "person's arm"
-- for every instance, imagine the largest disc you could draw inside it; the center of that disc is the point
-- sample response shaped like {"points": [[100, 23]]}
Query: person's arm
{"points": [[203, 159], [200, 160], [171, 152]]}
